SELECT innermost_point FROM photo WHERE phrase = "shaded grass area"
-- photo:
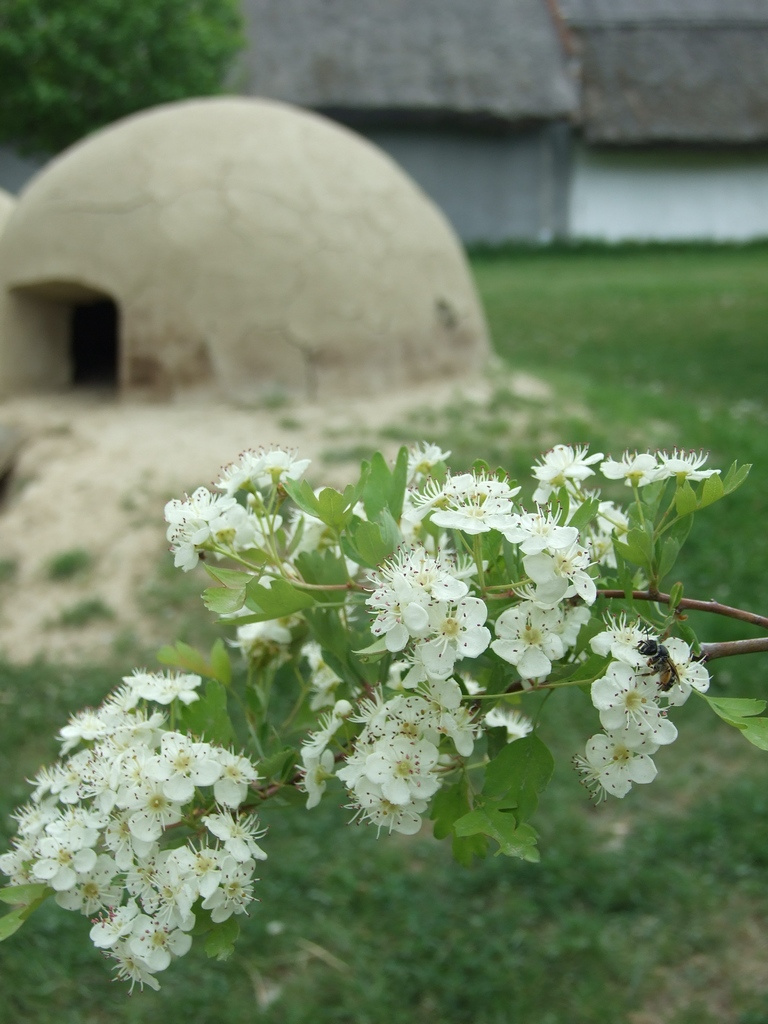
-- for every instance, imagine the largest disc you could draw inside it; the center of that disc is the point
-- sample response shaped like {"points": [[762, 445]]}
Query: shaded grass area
{"points": [[643, 910]]}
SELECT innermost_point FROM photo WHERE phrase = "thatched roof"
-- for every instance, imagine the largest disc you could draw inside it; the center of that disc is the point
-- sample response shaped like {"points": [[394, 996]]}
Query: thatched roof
{"points": [[431, 61], [684, 71], [644, 12]]}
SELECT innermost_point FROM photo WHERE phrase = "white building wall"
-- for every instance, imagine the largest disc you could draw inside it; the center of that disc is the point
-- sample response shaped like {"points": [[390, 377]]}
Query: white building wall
{"points": [[668, 195]]}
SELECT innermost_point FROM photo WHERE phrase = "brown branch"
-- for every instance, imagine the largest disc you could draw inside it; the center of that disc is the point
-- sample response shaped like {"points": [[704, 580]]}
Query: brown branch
{"points": [[690, 604], [728, 648]]}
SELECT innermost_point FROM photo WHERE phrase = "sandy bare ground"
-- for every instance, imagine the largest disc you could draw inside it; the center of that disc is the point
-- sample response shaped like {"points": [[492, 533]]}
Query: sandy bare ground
{"points": [[94, 474]]}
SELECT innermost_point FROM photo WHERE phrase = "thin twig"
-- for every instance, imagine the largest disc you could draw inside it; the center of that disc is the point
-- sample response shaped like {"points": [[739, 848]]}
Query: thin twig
{"points": [[690, 604], [728, 648]]}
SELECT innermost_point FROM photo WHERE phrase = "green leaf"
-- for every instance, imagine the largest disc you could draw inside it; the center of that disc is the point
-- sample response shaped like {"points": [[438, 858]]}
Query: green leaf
{"points": [[339, 643], [756, 731], [325, 567], [637, 548], [686, 501], [278, 764], [519, 773], [221, 666], [668, 549], [735, 477], [465, 848], [585, 513], [385, 488], [712, 490], [208, 717], [11, 922], [741, 712], [25, 900], [734, 709], [450, 804], [24, 895], [334, 508], [276, 601], [230, 597], [371, 543], [499, 823], [234, 579], [675, 595], [222, 601], [376, 650], [301, 493], [589, 669], [220, 943], [184, 657]]}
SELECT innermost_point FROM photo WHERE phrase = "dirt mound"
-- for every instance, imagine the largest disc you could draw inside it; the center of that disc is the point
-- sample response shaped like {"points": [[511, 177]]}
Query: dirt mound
{"points": [[93, 475]]}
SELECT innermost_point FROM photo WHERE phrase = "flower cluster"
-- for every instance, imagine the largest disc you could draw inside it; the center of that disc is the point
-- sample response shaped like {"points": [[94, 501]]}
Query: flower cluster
{"points": [[218, 522], [387, 634], [638, 469], [397, 764], [633, 698], [96, 827]]}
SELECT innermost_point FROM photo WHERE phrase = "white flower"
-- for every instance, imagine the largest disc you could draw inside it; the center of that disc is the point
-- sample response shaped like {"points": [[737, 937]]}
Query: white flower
{"points": [[635, 470], [132, 968], [684, 465], [237, 773], [690, 674], [538, 531], [614, 760], [323, 680], [115, 925], [624, 698], [261, 469], [183, 764], [234, 891], [468, 502], [238, 835], [560, 575], [454, 632], [151, 811], [317, 770], [561, 466], [94, 889], [266, 640], [61, 859], [317, 741], [516, 724], [620, 640], [610, 523], [574, 617], [176, 890], [406, 586], [422, 459], [199, 869], [164, 687], [528, 637], [236, 528], [403, 769], [189, 524], [154, 943], [373, 806], [447, 716], [83, 727]]}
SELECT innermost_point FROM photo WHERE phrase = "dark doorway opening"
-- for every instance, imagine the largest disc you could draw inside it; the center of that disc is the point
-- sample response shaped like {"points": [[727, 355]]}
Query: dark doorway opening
{"points": [[93, 344]]}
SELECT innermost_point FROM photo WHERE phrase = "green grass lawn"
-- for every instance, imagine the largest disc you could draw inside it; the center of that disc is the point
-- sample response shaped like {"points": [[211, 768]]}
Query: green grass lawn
{"points": [[651, 909]]}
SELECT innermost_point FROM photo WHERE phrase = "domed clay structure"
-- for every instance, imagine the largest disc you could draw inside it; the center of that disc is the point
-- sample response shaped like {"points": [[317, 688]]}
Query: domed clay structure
{"points": [[236, 243]]}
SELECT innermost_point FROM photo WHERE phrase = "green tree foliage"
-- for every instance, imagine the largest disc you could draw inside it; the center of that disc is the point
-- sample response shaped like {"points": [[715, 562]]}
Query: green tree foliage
{"points": [[68, 67]]}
